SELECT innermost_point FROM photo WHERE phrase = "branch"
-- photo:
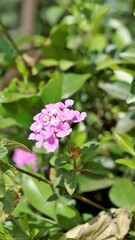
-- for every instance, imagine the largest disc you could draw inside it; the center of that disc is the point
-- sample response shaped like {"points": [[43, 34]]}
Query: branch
{"points": [[75, 195], [34, 176]]}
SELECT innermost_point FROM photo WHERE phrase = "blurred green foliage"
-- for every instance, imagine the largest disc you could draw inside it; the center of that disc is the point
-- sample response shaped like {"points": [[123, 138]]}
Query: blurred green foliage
{"points": [[84, 50]]}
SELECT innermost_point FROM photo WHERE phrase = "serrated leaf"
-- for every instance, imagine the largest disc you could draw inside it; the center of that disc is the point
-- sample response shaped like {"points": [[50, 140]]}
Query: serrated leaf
{"points": [[125, 142], [70, 182], [3, 151], [13, 144], [88, 149], [9, 190]]}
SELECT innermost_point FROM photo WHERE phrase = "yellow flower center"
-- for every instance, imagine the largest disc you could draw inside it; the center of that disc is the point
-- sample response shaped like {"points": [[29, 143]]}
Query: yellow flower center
{"points": [[45, 118]]}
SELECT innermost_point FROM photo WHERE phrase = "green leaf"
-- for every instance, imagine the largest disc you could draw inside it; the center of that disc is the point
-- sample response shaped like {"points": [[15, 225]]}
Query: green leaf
{"points": [[43, 64], [4, 234], [89, 184], [125, 142], [129, 55], [6, 122], [51, 93], [72, 83], [3, 151], [127, 162], [53, 13], [13, 144], [37, 194], [9, 190], [131, 97], [92, 168], [5, 48], [70, 181], [117, 89], [22, 110], [88, 149], [108, 62], [122, 194], [67, 216]]}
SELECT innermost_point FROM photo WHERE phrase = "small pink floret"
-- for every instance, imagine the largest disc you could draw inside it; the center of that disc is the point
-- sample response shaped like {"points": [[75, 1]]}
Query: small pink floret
{"points": [[22, 157]]}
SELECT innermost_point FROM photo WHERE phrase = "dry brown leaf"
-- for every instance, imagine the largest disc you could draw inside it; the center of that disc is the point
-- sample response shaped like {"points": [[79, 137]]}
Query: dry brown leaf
{"points": [[105, 226]]}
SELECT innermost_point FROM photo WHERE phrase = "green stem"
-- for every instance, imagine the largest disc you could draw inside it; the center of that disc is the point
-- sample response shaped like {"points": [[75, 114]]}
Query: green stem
{"points": [[88, 201], [75, 195], [75, 164], [34, 176]]}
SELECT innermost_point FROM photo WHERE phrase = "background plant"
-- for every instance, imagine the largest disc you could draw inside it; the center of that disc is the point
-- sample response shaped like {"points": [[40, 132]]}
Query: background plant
{"points": [[79, 50]]}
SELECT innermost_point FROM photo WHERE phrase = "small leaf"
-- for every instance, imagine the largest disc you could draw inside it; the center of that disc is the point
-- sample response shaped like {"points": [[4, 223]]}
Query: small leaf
{"points": [[70, 182], [125, 142], [72, 83]]}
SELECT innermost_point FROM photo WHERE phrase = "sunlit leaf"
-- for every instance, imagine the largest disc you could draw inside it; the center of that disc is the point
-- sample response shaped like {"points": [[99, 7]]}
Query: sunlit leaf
{"points": [[72, 83], [37, 194], [52, 91], [127, 162], [122, 194], [116, 89], [131, 97], [125, 142], [70, 181]]}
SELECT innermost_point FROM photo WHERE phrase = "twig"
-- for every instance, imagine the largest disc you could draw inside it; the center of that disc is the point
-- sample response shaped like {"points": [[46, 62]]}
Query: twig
{"points": [[10, 38], [86, 200]]}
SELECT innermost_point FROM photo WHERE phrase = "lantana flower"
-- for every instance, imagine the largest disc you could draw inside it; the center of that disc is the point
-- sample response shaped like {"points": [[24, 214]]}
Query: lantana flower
{"points": [[53, 123], [22, 157]]}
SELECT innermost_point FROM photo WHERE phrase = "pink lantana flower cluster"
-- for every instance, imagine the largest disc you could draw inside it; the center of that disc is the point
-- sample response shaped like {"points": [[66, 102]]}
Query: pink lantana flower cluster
{"points": [[22, 157], [53, 123]]}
